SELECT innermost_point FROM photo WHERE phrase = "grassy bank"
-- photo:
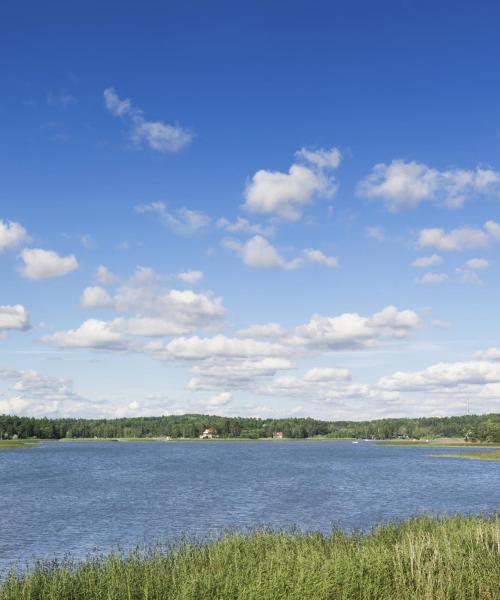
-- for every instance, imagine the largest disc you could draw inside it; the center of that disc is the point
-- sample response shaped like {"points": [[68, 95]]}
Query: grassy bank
{"points": [[10, 444], [438, 443], [435, 559], [494, 455]]}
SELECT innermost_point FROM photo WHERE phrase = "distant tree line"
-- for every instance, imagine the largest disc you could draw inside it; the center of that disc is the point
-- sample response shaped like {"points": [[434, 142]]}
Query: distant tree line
{"points": [[471, 427]]}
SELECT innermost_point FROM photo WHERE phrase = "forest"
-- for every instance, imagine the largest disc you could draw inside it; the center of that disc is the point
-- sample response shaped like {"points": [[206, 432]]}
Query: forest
{"points": [[485, 428]]}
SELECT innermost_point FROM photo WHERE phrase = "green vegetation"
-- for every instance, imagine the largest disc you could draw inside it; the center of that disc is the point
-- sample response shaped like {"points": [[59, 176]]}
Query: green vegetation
{"points": [[473, 455], [438, 443], [16, 444], [437, 559], [482, 428]]}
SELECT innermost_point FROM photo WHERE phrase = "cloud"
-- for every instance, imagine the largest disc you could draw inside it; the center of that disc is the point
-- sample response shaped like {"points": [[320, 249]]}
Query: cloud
{"points": [[287, 194], [492, 354], [351, 331], [92, 333], [468, 276], [376, 233], [104, 276], [117, 107], [183, 222], [456, 240], [493, 230], [323, 159], [148, 326], [260, 254], [267, 330], [316, 256], [221, 399], [427, 261], [198, 348], [181, 311], [45, 264], [331, 386], [222, 362], [243, 362], [327, 374], [37, 395], [11, 235], [432, 278], [403, 185], [158, 135], [443, 376], [244, 226], [95, 297], [14, 317], [477, 263], [191, 277], [244, 374], [34, 394], [152, 311]]}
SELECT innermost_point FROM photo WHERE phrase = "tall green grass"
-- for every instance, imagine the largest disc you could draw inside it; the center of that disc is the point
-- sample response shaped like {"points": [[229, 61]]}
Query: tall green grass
{"points": [[433, 559]]}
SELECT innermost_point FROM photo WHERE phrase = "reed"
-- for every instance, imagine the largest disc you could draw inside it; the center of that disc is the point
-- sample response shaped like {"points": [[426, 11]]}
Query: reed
{"points": [[455, 558]]}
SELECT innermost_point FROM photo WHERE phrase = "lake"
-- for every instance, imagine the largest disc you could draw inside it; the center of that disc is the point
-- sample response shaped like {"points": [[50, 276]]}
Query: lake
{"points": [[80, 496]]}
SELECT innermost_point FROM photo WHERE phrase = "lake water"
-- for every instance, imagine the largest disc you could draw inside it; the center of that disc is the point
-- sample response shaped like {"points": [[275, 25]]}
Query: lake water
{"points": [[78, 497]]}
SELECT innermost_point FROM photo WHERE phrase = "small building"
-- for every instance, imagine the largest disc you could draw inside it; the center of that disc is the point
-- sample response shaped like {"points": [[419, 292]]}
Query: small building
{"points": [[278, 435], [208, 434]]}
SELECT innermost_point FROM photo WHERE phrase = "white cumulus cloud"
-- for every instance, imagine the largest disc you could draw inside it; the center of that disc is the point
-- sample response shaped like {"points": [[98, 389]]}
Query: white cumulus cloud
{"points": [[443, 375], [150, 311], [318, 257], [405, 185], [354, 331], [11, 235], [92, 333], [46, 264], [259, 253], [286, 194], [460, 239], [14, 317], [477, 263], [266, 330], [191, 277], [95, 297]]}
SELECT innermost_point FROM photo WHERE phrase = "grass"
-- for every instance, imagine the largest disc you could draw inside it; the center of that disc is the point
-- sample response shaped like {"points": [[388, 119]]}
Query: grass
{"points": [[455, 558], [438, 443], [5, 444], [494, 455]]}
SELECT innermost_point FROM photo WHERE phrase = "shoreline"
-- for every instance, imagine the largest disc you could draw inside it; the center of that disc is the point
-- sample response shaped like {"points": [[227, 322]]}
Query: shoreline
{"points": [[436, 443]]}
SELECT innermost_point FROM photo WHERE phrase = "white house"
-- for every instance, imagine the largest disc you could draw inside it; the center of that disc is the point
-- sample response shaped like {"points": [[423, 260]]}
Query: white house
{"points": [[208, 434]]}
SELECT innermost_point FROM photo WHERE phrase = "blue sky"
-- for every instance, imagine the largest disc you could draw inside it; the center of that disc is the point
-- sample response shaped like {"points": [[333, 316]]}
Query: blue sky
{"points": [[244, 209]]}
